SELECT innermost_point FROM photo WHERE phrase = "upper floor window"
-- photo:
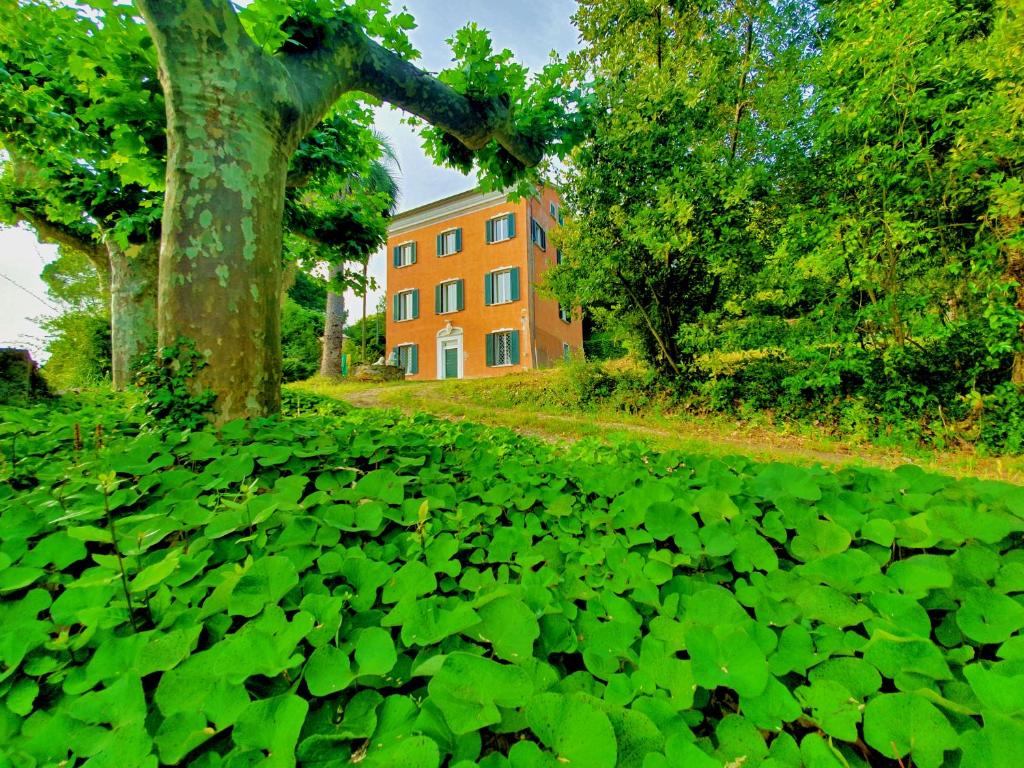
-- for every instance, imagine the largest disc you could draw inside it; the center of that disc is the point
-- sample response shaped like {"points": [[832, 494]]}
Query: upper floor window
{"points": [[501, 286], [403, 255], [538, 235], [449, 242], [564, 313], [553, 209], [501, 228], [406, 305], [448, 297]]}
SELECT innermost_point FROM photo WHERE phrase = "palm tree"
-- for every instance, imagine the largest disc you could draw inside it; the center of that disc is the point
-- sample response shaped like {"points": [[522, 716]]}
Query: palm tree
{"points": [[378, 181]]}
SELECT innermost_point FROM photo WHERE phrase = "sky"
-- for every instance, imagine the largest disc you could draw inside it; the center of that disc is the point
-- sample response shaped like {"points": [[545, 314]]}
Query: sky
{"points": [[530, 28]]}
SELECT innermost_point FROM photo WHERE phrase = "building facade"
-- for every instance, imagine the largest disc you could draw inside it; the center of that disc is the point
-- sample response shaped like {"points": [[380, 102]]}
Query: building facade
{"points": [[462, 300]]}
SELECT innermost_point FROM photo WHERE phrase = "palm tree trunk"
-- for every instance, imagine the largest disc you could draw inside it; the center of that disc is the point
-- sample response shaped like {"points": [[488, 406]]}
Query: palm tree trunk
{"points": [[334, 329]]}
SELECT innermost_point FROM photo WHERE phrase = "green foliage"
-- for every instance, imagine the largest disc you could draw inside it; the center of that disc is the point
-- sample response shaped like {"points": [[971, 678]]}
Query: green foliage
{"points": [[374, 326], [830, 229], [301, 329], [78, 340], [79, 349], [166, 378], [308, 292], [366, 588]]}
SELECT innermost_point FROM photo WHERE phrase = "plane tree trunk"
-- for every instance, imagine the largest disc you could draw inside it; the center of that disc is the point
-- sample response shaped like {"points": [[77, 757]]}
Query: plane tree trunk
{"points": [[133, 282], [235, 114]]}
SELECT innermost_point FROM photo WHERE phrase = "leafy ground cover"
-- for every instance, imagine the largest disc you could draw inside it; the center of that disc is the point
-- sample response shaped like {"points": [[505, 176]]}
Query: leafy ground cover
{"points": [[362, 588], [554, 404]]}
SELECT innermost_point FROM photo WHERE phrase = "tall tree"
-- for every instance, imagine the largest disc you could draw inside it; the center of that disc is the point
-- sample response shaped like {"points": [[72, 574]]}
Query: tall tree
{"points": [[81, 121], [375, 183], [665, 196], [236, 111]]}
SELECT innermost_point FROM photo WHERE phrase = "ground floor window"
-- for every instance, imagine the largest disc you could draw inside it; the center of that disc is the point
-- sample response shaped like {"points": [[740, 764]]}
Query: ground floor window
{"points": [[503, 348], [406, 356]]}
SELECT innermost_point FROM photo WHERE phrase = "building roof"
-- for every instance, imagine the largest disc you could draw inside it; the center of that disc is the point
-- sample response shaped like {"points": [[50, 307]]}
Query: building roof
{"points": [[443, 209]]}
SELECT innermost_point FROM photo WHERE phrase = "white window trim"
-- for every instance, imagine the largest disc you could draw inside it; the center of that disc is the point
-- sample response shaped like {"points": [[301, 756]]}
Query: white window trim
{"points": [[405, 319], [493, 272], [451, 231], [447, 282], [501, 217], [505, 330], [401, 249]]}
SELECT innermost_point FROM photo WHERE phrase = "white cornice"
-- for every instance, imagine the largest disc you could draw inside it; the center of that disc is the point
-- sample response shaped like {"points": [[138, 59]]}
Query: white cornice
{"points": [[443, 210]]}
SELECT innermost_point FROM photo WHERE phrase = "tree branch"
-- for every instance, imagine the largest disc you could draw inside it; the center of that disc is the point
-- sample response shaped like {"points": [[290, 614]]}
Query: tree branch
{"points": [[57, 234], [350, 61]]}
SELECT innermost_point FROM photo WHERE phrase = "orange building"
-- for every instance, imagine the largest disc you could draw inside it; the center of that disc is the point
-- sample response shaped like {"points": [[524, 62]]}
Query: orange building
{"points": [[461, 288]]}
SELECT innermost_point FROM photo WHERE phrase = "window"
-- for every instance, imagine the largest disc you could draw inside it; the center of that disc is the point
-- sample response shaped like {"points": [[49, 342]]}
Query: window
{"points": [[501, 286], [558, 255], [501, 228], [566, 352], [553, 210], [503, 348], [564, 314], [448, 297], [403, 255], [538, 235], [407, 305], [449, 242], [406, 356]]}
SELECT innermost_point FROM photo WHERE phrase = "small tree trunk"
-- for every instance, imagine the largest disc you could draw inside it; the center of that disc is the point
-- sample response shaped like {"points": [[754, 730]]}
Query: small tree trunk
{"points": [[362, 349], [334, 329], [133, 281]]}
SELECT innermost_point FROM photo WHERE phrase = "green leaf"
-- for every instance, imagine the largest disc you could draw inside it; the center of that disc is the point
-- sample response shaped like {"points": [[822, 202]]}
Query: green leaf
{"points": [[988, 617], [271, 725], [469, 689], [375, 652], [574, 730], [328, 671], [510, 627], [264, 583], [901, 724]]}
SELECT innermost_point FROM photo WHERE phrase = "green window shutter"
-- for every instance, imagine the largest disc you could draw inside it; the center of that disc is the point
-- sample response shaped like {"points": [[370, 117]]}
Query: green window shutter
{"points": [[396, 257], [488, 289], [440, 245], [490, 349], [437, 299], [458, 240], [460, 299], [413, 259], [396, 302], [515, 347], [511, 225], [415, 303], [489, 231], [414, 354], [514, 280]]}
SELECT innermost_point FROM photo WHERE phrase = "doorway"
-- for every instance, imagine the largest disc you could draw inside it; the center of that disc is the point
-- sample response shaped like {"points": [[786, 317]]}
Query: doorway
{"points": [[449, 353]]}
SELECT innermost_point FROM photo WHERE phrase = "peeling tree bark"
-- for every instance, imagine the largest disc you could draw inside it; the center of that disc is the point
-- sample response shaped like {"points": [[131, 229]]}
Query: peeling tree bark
{"points": [[334, 329], [234, 116], [133, 283], [128, 280]]}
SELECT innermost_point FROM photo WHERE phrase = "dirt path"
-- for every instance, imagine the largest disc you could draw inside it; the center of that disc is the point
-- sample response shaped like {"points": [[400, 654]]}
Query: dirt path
{"points": [[763, 444]]}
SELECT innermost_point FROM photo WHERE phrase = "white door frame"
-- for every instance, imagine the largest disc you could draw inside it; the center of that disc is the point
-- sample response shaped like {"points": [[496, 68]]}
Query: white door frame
{"points": [[445, 337]]}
